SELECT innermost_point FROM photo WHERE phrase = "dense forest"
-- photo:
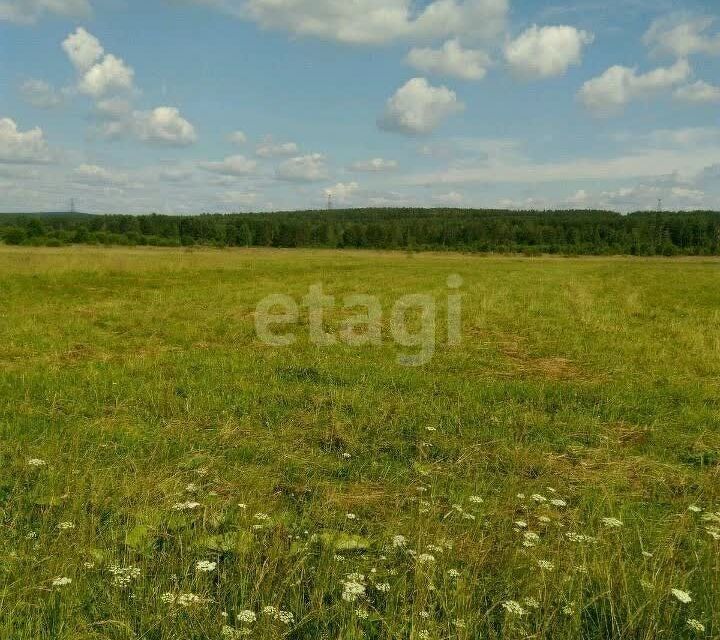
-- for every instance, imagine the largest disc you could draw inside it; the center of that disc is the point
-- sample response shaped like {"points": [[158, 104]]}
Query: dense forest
{"points": [[530, 232]]}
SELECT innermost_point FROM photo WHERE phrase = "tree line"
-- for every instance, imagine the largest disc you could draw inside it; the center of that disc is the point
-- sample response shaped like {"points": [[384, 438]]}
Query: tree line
{"points": [[531, 232]]}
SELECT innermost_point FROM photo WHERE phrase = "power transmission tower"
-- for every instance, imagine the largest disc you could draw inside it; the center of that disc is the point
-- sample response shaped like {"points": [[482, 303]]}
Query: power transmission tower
{"points": [[72, 205], [330, 202], [660, 205]]}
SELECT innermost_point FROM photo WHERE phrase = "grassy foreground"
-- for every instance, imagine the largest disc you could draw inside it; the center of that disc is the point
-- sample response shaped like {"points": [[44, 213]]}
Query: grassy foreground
{"points": [[165, 475]]}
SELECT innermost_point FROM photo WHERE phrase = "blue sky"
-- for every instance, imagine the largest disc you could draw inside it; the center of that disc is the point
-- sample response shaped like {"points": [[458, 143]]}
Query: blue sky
{"points": [[183, 106]]}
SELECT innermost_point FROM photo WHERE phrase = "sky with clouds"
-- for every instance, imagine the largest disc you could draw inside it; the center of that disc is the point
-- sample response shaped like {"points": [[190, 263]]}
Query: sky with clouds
{"points": [[185, 106]]}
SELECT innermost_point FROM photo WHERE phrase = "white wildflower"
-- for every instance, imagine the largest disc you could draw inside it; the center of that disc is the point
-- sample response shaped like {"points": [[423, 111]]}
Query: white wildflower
{"points": [[530, 539], [531, 603], [696, 625], [353, 587], [536, 497], [61, 582], [513, 607], [246, 616], [556, 502], [521, 524], [612, 523], [475, 500], [123, 576], [383, 587], [569, 609], [682, 596], [713, 532], [399, 541], [453, 573], [205, 566], [36, 462], [185, 506], [694, 508], [347, 456], [546, 565], [262, 517], [65, 526], [362, 614], [580, 537], [544, 519], [351, 516], [425, 558]]}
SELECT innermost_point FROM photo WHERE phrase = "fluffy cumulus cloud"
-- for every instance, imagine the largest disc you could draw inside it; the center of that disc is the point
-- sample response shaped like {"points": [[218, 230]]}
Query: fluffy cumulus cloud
{"points": [[698, 93], [451, 60], [110, 75], [682, 35], [41, 94], [418, 108], [232, 166], [342, 192], [110, 83], [22, 147], [543, 52], [237, 137], [309, 168], [375, 165], [99, 73], [83, 49], [164, 125], [373, 21], [270, 149], [609, 93], [27, 11]]}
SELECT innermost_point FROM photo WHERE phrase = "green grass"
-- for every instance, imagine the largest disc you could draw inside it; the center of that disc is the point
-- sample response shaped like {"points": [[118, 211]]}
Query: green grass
{"points": [[135, 373]]}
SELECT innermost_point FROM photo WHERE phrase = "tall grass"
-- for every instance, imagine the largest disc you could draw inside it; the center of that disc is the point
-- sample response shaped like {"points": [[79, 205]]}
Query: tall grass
{"points": [[556, 476]]}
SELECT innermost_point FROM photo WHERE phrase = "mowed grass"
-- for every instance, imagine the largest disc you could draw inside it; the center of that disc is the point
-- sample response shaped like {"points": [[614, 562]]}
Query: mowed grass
{"points": [[555, 476]]}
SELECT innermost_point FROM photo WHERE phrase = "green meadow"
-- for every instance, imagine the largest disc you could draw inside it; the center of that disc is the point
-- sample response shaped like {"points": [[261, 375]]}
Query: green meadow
{"points": [[167, 475]]}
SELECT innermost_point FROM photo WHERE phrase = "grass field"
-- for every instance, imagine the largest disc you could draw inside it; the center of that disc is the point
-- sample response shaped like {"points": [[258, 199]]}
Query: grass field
{"points": [[557, 475]]}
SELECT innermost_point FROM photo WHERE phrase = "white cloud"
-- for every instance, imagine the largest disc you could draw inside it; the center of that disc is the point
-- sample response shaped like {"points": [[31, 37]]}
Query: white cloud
{"points": [[451, 60], [40, 94], [682, 35], [453, 198], [310, 168], [94, 175], [99, 73], [418, 108], [237, 137], [22, 147], [374, 21], [547, 51], [269, 149], [232, 166], [342, 192], [108, 76], [375, 165], [678, 153], [612, 90], [164, 125], [83, 49], [27, 11], [699, 92], [239, 198]]}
